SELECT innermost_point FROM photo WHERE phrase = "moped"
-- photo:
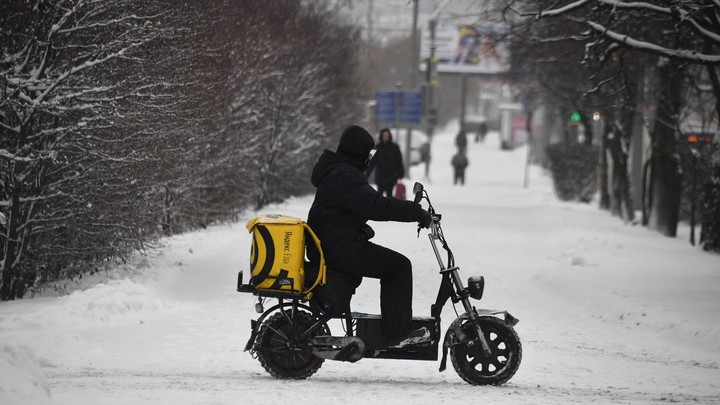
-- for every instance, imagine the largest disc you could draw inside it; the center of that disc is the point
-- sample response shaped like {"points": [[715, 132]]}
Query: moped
{"points": [[292, 339]]}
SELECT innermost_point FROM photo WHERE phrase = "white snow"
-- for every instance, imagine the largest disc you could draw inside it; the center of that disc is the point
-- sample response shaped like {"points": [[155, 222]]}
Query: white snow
{"points": [[609, 312]]}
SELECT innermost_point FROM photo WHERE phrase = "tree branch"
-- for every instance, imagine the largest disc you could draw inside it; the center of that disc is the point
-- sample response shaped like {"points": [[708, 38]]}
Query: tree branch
{"points": [[686, 55]]}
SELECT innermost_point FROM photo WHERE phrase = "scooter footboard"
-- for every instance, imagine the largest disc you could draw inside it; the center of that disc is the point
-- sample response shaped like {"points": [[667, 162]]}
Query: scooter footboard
{"points": [[368, 329]]}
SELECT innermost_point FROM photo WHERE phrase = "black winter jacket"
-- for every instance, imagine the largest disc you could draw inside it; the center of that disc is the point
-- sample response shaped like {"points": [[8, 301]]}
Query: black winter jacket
{"points": [[387, 164], [344, 202]]}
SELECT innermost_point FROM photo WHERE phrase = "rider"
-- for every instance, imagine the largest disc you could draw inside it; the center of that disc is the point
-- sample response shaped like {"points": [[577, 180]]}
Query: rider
{"points": [[344, 202]]}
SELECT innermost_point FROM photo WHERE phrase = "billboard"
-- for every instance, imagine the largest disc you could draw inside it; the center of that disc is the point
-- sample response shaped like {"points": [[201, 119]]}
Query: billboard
{"points": [[466, 49]]}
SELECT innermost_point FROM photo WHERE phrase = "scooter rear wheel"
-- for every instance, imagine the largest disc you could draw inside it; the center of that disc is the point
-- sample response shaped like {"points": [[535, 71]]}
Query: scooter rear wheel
{"points": [[474, 367], [279, 351]]}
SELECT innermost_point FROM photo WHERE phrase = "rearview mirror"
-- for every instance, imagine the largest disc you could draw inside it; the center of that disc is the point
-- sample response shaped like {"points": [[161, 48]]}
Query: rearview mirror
{"points": [[418, 190]]}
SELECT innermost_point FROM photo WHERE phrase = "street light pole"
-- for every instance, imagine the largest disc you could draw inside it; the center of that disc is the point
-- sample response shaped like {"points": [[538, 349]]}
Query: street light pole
{"points": [[414, 51], [431, 81], [413, 81], [430, 116]]}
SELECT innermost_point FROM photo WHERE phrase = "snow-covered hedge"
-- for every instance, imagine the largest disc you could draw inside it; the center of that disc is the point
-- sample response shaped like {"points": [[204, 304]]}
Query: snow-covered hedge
{"points": [[574, 170], [125, 120]]}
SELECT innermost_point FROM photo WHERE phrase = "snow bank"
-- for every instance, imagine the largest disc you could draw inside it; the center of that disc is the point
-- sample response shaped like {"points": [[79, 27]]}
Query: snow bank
{"points": [[22, 380], [108, 301], [626, 306]]}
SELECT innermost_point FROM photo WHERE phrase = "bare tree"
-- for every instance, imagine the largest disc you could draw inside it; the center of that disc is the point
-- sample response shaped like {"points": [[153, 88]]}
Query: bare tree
{"points": [[291, 102], [681, 33], [124, 120], [56, 123]]}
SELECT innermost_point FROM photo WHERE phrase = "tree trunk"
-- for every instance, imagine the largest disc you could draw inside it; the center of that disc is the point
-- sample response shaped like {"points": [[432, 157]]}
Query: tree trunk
{"points": [[637, 146], [9, 269], [11, 278], [622, 204], [665, 177], [603, 177], [616, 197], [167, 222], [588, 126], [710, 233]]}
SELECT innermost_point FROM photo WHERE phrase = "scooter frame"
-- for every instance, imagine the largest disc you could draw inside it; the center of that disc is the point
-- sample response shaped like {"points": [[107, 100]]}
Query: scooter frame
{"points": [[371, 343]]}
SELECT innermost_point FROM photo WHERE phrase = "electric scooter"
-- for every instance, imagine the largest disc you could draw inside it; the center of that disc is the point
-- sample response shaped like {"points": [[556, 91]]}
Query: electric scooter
{"points": [[292, 339]]}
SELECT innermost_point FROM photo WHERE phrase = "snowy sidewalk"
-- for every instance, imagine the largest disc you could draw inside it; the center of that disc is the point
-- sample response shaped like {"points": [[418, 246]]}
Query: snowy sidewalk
{"points": [[609, 312]]}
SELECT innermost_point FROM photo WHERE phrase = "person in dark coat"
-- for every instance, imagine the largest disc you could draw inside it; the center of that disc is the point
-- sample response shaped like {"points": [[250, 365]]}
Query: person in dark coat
{"points": [[461, 141], [387, 164], [481, 132], [344, 202], [459, 162]]}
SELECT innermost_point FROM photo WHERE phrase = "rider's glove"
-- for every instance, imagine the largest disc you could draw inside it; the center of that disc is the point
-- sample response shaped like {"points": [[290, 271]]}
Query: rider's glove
{"points": [[425, 219]]}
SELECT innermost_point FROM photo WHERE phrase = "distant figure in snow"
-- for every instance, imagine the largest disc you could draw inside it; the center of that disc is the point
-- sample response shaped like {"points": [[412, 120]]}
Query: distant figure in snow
{"points": [[482, 131], [387, 164], [461, 141], [459, 162]]}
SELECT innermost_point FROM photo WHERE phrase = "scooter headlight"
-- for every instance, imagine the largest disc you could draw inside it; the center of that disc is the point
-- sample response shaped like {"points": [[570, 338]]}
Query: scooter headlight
{"points": [[475, 288]]}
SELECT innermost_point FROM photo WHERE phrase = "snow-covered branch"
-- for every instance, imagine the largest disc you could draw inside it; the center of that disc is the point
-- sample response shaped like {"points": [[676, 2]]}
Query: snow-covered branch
{"points": [[103, 24], [4, 153], [75, 69], [690, 56], [561, 10], [691, 16], [636, 5], [9, 128]]}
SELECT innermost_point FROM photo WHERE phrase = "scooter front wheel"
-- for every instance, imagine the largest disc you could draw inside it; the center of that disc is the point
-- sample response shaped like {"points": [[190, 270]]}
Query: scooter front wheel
{"points": [[279, 351], [471, 363]]}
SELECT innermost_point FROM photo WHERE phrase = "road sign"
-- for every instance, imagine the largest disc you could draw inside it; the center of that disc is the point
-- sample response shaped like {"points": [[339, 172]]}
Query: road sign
{"points": [[386, 103], [411, 107], [404, 107]]}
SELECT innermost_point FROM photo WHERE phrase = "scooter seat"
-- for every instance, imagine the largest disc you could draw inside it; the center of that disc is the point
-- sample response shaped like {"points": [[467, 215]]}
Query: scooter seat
{"points": [[334, 297]]}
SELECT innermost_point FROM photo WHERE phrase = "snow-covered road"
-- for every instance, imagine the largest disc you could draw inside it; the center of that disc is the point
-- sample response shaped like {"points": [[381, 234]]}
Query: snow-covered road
{"points": [[609, 312]]}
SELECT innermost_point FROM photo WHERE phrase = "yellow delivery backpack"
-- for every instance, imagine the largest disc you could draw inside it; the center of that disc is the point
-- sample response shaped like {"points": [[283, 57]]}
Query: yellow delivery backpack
{"points": [[277, 258]]}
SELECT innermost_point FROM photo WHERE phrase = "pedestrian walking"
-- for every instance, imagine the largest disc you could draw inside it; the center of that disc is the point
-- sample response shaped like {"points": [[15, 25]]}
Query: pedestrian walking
{"points": [[459, 163], [461, 141], [387, 164], [481, 132]]}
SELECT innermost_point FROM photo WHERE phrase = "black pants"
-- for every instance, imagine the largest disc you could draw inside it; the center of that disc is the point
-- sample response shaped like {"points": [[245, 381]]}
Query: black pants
{"points": [[459, 176], [348, 263]]}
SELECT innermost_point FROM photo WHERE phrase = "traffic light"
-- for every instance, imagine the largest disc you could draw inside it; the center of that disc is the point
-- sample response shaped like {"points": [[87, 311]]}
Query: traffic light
{"points": [[575, 117]]}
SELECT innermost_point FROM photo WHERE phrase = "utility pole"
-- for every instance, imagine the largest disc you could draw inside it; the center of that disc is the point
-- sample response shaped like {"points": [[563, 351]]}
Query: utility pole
{"points": [[370, 22], [415, 59], [431, 81], [463, 99], [414, 50], [528, 128]]}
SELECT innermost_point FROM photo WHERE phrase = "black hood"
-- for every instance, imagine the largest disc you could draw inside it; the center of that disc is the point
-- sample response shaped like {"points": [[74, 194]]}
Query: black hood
{"points": [[328, 161], [355, 145]]}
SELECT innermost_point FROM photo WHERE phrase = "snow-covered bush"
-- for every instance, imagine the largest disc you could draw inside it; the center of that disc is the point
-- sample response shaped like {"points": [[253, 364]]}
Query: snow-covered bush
{"points": [[573, 167], [124, 120]]}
